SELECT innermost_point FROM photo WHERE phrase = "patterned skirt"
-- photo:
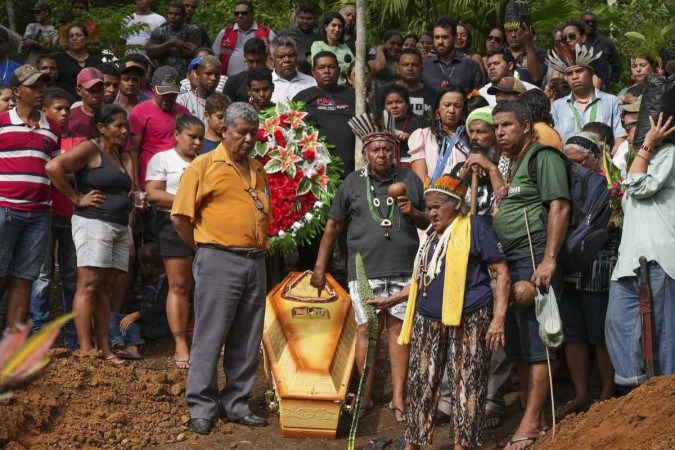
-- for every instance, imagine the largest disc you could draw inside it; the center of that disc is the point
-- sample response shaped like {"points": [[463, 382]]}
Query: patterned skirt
{"points": [[463, 352]]}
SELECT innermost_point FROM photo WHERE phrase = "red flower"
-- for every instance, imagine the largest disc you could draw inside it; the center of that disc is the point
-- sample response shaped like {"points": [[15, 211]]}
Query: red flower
{"points": [[309, 154], [279, 137], [283, 120], [260, 135]]}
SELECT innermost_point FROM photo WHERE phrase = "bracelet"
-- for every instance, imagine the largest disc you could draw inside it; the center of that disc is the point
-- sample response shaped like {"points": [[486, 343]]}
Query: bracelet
{"points": [[642, 157], [645, 148]]}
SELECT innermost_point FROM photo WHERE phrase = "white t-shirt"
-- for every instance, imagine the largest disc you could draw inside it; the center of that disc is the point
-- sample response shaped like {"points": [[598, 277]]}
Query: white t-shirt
{"points": [[153, 20], [491, 98], [167, 166]]}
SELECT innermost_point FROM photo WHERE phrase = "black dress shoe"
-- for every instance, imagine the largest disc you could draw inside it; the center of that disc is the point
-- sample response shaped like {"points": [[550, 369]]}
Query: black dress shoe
{"points": [[252, 421], [201, 426]]}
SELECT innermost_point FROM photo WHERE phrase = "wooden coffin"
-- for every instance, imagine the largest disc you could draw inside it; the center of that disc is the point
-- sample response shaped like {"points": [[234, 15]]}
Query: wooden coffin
{"points": [[309, 344]]}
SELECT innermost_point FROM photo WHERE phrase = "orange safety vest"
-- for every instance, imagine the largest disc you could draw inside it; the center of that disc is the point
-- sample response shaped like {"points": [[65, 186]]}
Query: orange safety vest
{"points": [[229, 41]]}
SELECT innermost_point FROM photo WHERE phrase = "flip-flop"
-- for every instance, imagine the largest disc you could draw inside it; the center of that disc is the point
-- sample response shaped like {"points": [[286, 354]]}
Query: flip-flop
{"points": [[532, 439], [378, 443], [123, 354], [365, 409], [115, 360], [392, 409], [183, 364]]}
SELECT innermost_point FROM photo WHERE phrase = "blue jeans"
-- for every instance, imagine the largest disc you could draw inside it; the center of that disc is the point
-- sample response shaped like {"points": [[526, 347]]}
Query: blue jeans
{"points": [[60, 245], [623, 328], [23, 242], [121, 339]]}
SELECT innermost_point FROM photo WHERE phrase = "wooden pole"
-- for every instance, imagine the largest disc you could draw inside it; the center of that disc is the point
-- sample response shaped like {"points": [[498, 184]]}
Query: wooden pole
{"points": [[360, 69]]}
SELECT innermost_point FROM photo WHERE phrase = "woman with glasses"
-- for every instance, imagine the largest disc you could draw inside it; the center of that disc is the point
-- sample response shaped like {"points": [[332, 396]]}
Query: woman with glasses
{"points": [[164, 172], [573, 33], [495, 40], [333, 40], [463, 45]]}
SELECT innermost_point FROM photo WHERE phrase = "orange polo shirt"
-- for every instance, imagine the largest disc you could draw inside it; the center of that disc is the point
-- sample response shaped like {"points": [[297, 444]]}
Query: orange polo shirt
{"points": [[548, 136], [213, 194]]}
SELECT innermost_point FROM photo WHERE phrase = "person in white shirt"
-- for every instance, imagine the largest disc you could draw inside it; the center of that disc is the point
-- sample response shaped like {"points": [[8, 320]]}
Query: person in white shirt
{"points": [[143, 15], [208, 74], [286, 78], [500, 64]]}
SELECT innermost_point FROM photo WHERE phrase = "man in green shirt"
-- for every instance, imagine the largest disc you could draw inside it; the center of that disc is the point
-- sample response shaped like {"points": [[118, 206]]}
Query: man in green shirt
{"points": [[545, 201]]}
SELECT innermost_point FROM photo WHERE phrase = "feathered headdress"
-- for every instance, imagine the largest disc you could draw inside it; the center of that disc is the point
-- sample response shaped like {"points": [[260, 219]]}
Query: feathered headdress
{"points": [[517, 13], [369, 128], [447, 184], [562, 58]]}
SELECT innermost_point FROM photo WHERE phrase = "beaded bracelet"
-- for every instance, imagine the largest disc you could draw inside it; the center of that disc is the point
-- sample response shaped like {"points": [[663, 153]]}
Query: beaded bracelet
{"points": [[645, 148]]}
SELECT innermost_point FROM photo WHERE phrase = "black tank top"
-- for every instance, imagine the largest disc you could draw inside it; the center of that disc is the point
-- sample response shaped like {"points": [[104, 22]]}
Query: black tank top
{"points": [[114, 183]]}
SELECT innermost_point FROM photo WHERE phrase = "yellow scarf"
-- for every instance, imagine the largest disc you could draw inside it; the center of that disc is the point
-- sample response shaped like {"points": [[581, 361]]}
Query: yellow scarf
{"points": [[454, 284]]}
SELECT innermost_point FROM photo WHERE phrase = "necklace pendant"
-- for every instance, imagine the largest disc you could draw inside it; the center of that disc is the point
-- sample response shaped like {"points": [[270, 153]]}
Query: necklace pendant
{"points": [[386, 224]]}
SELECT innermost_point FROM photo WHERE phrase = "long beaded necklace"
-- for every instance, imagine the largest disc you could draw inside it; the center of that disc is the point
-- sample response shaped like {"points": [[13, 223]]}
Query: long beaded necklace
{"points": [[513, 169], [385, 221], [427, 251]]}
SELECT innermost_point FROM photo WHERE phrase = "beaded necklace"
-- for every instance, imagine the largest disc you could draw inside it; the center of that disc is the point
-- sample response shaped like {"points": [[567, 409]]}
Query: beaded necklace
{"points": [[385, 220]]}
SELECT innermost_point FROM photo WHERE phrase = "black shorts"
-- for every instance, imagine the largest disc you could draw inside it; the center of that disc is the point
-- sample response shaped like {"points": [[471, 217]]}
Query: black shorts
{"points": [[170, 244]]}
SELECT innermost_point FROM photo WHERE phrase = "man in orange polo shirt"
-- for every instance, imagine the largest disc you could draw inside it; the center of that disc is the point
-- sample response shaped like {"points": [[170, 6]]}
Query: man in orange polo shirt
{"points": [[222, 210]]}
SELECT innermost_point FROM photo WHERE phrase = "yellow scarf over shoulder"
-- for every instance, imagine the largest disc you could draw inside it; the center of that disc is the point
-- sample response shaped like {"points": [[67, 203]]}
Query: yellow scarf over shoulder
{"points": [[456, 263]]}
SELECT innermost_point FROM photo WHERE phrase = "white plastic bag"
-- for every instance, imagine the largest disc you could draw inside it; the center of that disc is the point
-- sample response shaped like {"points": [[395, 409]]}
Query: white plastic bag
{"points": [[548, 316]]}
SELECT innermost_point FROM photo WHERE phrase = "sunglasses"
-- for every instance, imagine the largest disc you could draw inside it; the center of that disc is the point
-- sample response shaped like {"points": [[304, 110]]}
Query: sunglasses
{"points": [[242, 13], [590, 22], [256, 200], [495, 38], [568, 37]]}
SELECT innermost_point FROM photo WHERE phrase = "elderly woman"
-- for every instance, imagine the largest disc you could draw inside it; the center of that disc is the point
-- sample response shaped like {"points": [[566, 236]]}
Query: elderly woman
{"points": [[452, 322], [75, 58], [439, 148], [100, 222], [333, 40], [383, 229]]}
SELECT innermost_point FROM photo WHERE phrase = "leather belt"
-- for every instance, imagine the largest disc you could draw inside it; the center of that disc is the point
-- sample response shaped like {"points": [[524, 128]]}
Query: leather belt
{"points": [[254, 253]]}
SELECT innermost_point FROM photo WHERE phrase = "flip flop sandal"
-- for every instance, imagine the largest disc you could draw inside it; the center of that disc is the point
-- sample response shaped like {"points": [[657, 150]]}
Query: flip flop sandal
{"points": [[533, 440], [115, 360], [363, 410], [378, 443], [392, 409], [123, 354]]}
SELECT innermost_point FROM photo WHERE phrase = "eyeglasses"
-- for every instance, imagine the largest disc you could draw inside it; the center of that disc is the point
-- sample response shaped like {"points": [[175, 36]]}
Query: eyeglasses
{"points": [[256, 201], [242, 13], [568, 37], [497, 39]]}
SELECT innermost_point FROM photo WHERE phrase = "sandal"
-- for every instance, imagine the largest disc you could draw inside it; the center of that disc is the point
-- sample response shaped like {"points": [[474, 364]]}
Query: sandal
{"points": [[115, 360], [492, 420], [365, 409], [398, 413], [125, 354], [532, 440]]}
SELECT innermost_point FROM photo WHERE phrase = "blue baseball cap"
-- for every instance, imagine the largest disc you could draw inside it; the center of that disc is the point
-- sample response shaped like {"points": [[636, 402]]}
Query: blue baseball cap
{"points": [[195, 61]]}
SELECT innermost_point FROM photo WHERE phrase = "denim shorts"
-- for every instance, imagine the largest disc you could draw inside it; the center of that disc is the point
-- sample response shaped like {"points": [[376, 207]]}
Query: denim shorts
{"points": [[521, 328], [101, 244], [583, 315], [23, 242], [382, 287]]}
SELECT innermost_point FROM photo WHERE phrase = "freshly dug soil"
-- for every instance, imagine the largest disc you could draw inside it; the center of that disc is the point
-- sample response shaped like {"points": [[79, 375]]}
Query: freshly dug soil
{"points": [[643, 419]]}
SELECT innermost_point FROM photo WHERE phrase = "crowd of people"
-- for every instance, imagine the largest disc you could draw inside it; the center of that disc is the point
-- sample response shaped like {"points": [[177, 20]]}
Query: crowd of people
{"points": [[137, 171]]}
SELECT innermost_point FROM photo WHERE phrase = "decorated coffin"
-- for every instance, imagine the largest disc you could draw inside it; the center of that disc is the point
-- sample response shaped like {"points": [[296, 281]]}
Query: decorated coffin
{"points": [[309, 343]]}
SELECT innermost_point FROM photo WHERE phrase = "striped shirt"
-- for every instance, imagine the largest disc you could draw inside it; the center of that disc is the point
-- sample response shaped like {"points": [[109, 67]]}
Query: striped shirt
{"points": [[24, 152]]}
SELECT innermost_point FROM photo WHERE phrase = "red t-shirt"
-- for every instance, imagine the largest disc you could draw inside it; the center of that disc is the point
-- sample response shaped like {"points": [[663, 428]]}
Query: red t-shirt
{"points": [[156, 128], [80, 124], [25, 150], [61, 206]]}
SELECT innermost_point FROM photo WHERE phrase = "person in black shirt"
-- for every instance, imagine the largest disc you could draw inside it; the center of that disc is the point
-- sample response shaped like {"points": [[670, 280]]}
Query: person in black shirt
{"points": [[410, 77], [330, 106], [602, 44], [397, 102], [255, 53], [306, 32]]}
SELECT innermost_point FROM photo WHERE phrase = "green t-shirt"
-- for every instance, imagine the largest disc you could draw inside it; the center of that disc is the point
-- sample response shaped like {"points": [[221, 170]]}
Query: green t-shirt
{"points": [[526, 194]]}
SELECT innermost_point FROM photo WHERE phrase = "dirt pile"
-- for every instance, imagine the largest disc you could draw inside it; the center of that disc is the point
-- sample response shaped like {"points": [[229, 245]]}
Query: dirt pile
{"points": [[644, 419], [83, 401]]}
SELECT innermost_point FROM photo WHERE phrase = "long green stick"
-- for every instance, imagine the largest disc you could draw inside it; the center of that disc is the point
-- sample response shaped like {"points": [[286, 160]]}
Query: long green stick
{"points": [[365, 294]]}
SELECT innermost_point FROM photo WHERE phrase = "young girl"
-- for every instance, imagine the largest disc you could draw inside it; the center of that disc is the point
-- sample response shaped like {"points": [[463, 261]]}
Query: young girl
{"points": [[397, 102], [214, 111]]}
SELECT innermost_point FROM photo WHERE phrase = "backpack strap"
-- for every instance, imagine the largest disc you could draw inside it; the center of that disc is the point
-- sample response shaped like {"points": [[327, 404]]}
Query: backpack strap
{"points": [[532, 163]]}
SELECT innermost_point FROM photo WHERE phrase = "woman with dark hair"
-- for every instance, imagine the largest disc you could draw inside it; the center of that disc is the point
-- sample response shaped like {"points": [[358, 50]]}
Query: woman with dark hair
{"points": [[496, 38], [100, 222], [332, 40], [640, 68], [475, 102], [439, 148], [409, 41], [557, 88], [74, 59], [161, 185], [540, 107], [463, 45], [573, 33], [425, 44], [386, 57], [397, 101], [602, 132]]}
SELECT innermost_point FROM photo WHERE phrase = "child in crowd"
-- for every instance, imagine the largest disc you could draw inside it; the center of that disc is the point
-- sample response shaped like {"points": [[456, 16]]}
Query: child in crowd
{"points": [[148, 320], [214, 111], [61, 248], [7, 99]]}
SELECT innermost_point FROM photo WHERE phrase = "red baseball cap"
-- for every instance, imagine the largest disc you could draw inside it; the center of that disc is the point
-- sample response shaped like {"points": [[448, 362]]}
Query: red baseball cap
{"points": [[88, 77]]}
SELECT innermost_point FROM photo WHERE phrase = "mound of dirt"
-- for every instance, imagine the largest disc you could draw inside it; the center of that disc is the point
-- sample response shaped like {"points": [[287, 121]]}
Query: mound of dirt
{"points": [[644, 419], [83, 401]]}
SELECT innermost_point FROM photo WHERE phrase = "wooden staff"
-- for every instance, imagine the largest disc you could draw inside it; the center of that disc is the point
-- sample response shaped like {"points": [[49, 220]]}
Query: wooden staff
{"points": [[474, 193]]}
